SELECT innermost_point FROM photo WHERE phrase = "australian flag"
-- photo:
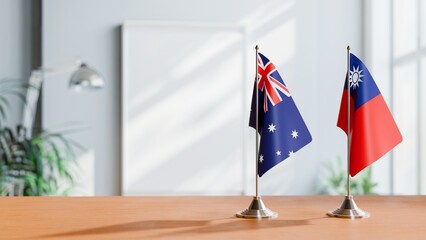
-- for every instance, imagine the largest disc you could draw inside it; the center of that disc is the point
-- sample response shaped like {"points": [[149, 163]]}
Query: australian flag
{"points": [[281, 127]]}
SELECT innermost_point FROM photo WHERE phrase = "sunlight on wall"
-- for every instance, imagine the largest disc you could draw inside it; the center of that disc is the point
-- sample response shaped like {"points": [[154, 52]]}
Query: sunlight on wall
{"points": [[394, 45], [188, 95], [266, 14], [406, 115], [202, 54], [405, 37]]}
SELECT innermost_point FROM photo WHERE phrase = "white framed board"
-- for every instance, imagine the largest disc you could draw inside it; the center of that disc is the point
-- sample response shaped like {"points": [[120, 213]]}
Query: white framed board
{"points": [[183, 109]]}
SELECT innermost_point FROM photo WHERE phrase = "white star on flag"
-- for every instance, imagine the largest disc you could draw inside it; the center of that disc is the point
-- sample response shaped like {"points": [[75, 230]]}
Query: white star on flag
{"points": [[290, 153], [261, 159], [278, 153], [294, 134], [272, 127]]}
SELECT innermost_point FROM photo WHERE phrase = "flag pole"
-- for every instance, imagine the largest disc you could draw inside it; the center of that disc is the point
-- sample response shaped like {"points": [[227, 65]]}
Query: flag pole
{"points": [[257, 208], [348, 209], [257, 123], [348, 182]]}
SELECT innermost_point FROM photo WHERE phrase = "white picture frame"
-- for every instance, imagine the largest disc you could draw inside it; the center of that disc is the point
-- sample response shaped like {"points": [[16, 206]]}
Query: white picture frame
{"points": [[184, 110]]}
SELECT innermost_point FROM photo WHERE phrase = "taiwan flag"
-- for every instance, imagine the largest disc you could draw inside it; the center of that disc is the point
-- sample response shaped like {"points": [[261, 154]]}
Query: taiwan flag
{"points": [[281, 127], [373, 129]]}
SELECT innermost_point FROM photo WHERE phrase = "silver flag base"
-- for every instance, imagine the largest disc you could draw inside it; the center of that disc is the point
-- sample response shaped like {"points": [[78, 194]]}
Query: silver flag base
{"points": [[349, 209], [257, 209]]}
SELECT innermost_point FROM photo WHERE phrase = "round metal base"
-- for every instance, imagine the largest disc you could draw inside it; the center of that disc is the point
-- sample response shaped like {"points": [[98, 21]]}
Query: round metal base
{"points": [[349, 209], [257, 209]]}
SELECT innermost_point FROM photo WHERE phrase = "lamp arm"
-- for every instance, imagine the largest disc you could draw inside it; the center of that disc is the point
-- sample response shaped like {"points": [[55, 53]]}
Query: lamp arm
{"points": [[32, 97], [33, 93], [83, 76], [60, 69]]}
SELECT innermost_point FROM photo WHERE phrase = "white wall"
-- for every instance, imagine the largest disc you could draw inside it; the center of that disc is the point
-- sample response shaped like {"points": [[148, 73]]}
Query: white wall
{"points": [[305, 39], [395, 44], [15, 47]]}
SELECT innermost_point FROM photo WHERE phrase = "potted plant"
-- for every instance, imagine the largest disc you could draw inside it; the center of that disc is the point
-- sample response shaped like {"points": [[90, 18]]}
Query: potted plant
{"points": [[32, 166], [333, 181]]}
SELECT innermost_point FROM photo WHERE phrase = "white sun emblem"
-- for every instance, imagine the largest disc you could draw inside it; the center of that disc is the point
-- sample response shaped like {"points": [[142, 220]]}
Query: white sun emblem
{"points": [[355, 77]]}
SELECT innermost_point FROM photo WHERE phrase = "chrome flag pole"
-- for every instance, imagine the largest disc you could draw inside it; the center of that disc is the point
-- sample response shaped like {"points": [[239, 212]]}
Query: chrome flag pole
{"points": [[348, 209], [257, 208]]}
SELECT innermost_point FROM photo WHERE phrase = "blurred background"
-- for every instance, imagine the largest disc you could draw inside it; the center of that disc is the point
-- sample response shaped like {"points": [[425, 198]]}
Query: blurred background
{"points": [[172, 117]]}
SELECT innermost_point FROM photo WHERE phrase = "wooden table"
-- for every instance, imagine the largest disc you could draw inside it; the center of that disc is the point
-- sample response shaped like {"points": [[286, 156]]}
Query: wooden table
{"points": [[300, 217]]}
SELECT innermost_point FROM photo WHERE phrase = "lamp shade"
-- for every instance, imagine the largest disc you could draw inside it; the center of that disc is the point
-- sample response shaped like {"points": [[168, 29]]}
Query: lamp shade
{"points": [[86, 77]]}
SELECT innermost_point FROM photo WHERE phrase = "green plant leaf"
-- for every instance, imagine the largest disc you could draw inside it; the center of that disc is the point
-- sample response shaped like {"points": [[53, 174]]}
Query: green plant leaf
{"points": [[334, 179], [46, 160]]}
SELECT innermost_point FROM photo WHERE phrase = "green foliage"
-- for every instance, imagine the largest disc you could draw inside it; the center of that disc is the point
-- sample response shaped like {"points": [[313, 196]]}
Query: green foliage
{"points": [[33, 166], [334, 180]]}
